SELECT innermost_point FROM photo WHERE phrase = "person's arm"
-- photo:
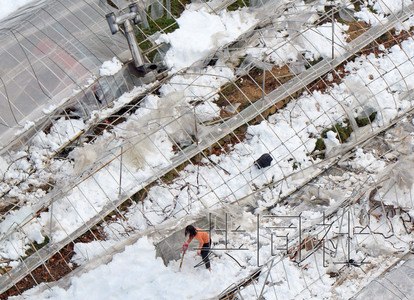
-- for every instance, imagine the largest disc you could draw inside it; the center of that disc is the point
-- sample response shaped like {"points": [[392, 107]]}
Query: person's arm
{"points": [[200, 245], [185, 245]]}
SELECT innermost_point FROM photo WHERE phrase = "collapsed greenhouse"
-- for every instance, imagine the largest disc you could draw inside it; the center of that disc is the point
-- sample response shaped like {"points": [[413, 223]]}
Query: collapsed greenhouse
{"points": [[283, 128]]}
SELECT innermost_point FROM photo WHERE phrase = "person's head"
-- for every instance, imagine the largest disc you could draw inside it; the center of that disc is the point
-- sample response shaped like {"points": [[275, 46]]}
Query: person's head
{"points": [[191, 231]]}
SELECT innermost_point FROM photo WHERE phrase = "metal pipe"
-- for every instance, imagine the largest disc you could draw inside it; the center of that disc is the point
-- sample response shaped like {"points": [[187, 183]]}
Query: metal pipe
{"points": [[333, 34], [133, 46], [120, 172], [258, 243], [128, 16]]}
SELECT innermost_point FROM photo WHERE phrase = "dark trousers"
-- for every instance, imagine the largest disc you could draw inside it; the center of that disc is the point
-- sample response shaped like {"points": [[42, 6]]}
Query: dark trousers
{"points": [[204, 254]]}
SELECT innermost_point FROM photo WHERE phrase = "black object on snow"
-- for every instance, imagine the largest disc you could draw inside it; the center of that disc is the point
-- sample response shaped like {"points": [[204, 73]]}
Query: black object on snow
{"points": [[263, 161]]}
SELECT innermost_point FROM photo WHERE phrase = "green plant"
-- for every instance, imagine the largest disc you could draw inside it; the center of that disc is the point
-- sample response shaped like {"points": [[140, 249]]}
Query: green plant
{"points": [[35, 246], [165, 24], [238, 4], [357, 5], [319, 145], [363, 121], [296, 165], [343, 131], [310, 63], [319, 150]]}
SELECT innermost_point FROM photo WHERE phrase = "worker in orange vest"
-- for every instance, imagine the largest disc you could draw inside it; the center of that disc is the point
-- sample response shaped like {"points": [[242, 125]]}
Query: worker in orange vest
{"points": [[204, 242]]}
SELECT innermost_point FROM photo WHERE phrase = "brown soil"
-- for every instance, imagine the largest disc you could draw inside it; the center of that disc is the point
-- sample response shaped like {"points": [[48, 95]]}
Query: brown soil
{"points": [[249, 88], [356, 29]]}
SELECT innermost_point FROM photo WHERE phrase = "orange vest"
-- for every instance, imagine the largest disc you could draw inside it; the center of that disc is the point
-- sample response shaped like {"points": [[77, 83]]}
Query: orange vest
{"points": [[202, 237]]}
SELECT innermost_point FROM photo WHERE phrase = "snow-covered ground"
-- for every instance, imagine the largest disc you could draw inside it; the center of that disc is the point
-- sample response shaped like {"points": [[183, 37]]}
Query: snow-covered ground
{"points": [[378, 82], [147, 278], [309, 281]]}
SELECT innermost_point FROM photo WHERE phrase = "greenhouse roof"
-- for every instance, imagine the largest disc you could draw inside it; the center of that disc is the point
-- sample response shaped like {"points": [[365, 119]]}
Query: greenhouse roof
{"points": [[49, 49]]}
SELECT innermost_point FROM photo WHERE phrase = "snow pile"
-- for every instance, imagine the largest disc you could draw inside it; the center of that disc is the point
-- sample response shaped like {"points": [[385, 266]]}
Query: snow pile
{"points": [[331, 141], [375, 12], [367, 162], [144, 277], [110, 67], [24, 178], [405, 25], [370, 17], [88, 251], [202, 32], [319, 42], [7, 249], [61, 132], [290, 282], [390, 6]]}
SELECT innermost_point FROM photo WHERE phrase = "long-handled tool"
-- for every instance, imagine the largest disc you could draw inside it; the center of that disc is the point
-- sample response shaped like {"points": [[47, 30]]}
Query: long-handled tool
{"points": [[181, 262]]}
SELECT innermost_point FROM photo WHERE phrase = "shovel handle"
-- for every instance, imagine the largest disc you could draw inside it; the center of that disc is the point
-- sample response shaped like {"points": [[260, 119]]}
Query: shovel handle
{"points": [[181, 262]]}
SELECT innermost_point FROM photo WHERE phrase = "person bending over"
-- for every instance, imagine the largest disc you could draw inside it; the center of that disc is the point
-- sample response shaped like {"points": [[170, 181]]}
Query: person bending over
{"points": [[204, 242]]}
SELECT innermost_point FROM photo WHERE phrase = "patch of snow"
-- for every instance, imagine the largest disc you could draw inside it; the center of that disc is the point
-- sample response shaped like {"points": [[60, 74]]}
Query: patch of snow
{"points": [[200, 32], [331, 141], [367, 161], [369, 17], [110, 67], [61, 132], [49, 109], [85, 252], [390, 6], [27, 125]]}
